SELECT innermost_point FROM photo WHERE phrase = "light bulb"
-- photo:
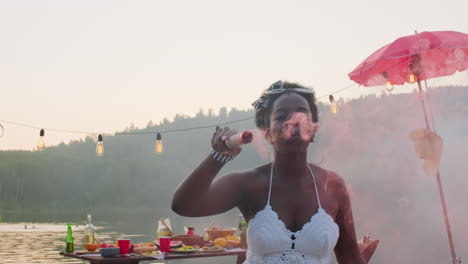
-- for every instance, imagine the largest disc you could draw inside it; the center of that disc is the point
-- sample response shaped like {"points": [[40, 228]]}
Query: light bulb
{"points": [[411, 78], [100, 146], [333, 107], [389, 86], [41, 142], [159, 144]]}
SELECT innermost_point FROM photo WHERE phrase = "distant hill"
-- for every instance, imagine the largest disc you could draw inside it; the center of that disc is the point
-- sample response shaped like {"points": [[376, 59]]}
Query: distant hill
{"points": [[366, 142]]}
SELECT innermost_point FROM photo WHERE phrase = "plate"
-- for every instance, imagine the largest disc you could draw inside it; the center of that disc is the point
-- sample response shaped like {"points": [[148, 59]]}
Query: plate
{"points": [[184, 251]]}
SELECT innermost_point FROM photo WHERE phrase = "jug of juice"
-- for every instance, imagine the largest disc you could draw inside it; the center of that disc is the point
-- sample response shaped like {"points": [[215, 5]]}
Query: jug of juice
{"points": [[164, 228]]}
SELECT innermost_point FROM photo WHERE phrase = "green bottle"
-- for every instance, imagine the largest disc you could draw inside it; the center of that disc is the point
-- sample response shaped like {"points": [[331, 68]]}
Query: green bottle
{"points": [[69, 240], [243, 235]]}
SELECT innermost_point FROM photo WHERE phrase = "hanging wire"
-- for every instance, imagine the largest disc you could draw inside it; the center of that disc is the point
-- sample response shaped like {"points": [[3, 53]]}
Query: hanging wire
{"points": [[2, 131], [337, 91], [154, 132], [184, 129], [51, 129]]}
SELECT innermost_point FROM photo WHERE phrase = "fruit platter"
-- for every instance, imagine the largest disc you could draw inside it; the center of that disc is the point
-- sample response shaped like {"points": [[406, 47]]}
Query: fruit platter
{"points": [[185, 250]]}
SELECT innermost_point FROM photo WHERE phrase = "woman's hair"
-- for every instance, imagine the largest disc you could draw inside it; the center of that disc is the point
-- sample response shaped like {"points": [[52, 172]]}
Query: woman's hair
{"points": [[262, 114]]}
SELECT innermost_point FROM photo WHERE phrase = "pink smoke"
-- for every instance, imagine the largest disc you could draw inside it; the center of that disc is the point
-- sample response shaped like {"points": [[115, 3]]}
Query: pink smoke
{"points": [[299, 124], [260, 143]]}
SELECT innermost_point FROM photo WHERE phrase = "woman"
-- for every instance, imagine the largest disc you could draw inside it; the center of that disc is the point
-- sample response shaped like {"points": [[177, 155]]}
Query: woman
{"points": [[296, 212]]}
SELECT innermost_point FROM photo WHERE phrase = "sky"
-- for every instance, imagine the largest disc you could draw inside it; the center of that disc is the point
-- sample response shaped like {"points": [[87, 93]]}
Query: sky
{"points": [[98, 66]]}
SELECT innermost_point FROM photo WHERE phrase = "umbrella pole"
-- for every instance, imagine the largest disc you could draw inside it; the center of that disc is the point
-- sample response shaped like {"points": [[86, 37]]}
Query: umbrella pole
{"points": [[431, 112], [422, 102], [439, 185]]}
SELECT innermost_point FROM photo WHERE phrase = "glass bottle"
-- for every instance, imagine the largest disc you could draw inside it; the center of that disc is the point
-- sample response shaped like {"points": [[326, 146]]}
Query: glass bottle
{"points": [[164, 228], [243, 235], [89, 231], [241, 218], [69, 240]]}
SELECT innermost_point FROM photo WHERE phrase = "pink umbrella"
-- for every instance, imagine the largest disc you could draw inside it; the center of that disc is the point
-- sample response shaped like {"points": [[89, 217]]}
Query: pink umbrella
{"points": [[412, 59], [425, 55]]}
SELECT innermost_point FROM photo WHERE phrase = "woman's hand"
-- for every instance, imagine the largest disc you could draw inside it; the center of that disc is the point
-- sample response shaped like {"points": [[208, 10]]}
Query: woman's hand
{"points": [[218, 141]]}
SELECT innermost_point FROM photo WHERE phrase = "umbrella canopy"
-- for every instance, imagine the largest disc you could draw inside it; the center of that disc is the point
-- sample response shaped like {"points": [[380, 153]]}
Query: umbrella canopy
{"points": [[425, 55]]}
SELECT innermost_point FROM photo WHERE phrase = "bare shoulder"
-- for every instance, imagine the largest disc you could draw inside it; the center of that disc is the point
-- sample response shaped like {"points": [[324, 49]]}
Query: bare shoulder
{"points": [[332, 181]]}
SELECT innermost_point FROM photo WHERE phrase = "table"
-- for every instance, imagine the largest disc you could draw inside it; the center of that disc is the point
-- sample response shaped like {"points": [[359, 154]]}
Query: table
{"points": [[135, 259]]}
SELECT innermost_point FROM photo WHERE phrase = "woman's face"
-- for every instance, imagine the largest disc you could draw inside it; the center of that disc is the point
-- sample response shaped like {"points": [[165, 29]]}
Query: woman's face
{"points": [[291, 127]]}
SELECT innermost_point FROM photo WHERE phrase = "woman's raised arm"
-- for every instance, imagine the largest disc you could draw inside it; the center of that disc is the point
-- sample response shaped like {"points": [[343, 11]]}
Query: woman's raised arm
{"points": [[199, 195]]}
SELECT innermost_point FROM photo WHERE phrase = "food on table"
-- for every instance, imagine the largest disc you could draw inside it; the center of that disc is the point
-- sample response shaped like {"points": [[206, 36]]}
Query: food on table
{"points": [[173, 243], [220, 242], [106, 245], [213, 248], [91, 246], [217, 232], [143, 248], [184, 248], [236, 238], [230, 240], [233, 243], [190, 240], [103, 245]]}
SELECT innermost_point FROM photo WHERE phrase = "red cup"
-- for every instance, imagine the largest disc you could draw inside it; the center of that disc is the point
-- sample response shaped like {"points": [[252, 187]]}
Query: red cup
{"points": [[124, 245], [164, 244]]}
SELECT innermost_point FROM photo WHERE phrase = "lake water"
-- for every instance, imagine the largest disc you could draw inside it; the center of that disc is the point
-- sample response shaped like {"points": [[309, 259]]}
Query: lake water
{"points": [[38, 242]]}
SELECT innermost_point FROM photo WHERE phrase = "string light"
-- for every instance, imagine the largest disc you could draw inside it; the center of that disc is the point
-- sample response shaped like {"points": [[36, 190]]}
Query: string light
{"points": [[41, 142], [412, 78], [388, 84], [159, 144], [333, 107], [100, 146]]}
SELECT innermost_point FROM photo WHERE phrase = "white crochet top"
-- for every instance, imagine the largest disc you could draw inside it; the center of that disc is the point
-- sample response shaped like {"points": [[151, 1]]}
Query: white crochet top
{"points": [[271, 242]]}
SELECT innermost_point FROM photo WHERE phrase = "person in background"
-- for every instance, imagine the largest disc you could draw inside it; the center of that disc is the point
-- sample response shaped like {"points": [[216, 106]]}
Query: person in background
{"points": [[297, 212]]}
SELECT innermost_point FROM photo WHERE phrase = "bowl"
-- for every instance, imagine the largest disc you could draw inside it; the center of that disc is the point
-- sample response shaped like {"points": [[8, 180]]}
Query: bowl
{"points": [[224, 232], [190, 240], [110, 252], [91, 246]]}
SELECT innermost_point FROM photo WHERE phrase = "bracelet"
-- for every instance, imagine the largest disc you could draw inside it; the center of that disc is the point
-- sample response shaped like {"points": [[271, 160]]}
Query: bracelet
{"points": [[220, 157]]}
